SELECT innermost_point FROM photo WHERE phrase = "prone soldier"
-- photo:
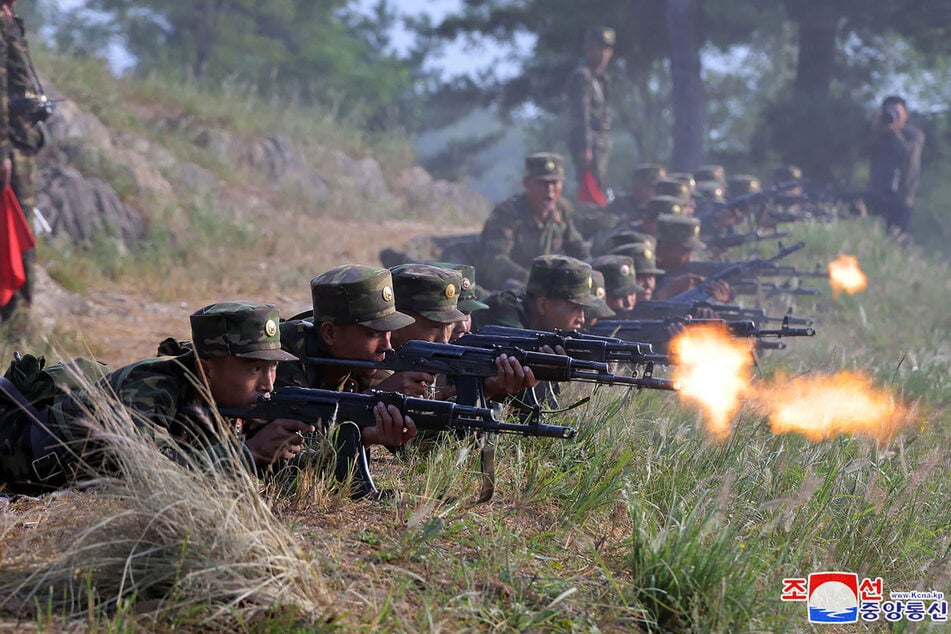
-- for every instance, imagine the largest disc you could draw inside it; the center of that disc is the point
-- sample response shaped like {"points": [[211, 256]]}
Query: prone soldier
{"points": [[233, 361]]}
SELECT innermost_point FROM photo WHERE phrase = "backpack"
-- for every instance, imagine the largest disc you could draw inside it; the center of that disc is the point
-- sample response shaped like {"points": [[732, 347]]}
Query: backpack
{"points": [[27, 389]]}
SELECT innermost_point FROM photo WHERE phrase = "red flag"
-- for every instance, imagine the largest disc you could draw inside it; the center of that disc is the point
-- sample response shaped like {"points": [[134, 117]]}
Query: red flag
{"points": [[590, 191], [15, 238]]}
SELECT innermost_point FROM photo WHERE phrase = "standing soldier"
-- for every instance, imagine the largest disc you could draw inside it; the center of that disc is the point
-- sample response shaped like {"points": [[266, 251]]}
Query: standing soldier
{"points": [[21, 100], [588, 102]]}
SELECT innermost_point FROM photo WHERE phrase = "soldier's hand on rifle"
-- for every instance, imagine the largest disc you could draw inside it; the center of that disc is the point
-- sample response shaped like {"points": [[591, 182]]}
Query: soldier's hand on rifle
{"points": [[678, 285], [392, 428], [556, 350], [280, 439], [416, 384], [512, 377], [6, 171], [704, 313], [675, 328], [719, 290]]}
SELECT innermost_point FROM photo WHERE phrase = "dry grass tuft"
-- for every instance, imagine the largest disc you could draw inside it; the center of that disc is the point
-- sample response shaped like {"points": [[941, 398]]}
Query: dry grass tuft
{"points": [[188, 543]]}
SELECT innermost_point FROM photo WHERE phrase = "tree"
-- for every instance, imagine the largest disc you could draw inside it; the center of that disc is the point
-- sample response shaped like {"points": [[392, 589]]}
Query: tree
{"points": [[683, 17], [313, 50]]}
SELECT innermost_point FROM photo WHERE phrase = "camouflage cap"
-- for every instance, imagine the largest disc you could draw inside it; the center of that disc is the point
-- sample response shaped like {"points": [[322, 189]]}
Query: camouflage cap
{"points": [[648, 173], [663, 205], [620, 276], [621, 236], [742, 184], [787, 173], [428, 291], [675, 189], [684, 177], [600, 310], [710, 190], [545, 166], [561, 277], [356, 294], [600, 36], [680, 230], [644, 255], [239, 329], [710, 173], [468, 296]]}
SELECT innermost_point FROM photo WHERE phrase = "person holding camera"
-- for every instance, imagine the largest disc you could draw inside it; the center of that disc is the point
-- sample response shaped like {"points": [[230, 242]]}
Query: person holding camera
{"points": [[895, 164]]}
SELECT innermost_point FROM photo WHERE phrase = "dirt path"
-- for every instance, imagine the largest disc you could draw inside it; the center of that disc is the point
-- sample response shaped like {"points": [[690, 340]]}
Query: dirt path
{"points": [[118, 327]]}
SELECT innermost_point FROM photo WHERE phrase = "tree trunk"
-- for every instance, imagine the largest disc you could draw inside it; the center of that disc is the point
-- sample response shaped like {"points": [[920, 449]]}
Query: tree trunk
{"points": [[817, 48], [683, 17]]}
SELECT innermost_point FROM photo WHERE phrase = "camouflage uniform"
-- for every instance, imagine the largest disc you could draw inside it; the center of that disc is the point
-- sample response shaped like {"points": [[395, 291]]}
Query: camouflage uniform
{"points": [[619, 276], [588, 108], [469, 292], [513, 236], [429, 291], [349, 294], [20, 139], [680, 230], [601, 310], [344, 295], [161, 391], [555, 276]]}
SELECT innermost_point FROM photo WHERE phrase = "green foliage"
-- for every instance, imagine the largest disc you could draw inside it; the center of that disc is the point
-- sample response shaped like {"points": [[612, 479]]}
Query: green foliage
{"points": [[303, 50], [824, 134]]}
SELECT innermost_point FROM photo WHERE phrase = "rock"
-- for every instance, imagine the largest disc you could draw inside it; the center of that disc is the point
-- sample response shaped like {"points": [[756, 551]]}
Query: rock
{"points": [[84, 210], [194, 177]]}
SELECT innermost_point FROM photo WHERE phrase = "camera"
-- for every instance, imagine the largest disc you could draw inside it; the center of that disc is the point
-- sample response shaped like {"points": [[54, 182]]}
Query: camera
{"points": [[889, 116]]}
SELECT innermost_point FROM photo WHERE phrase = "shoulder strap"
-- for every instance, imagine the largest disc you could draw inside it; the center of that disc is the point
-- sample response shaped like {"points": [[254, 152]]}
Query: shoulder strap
{"points": [[13, 392]]}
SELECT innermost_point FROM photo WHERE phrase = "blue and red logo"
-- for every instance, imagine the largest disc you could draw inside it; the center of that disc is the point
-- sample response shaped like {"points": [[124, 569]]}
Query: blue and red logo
{"points": [[833, 597]]}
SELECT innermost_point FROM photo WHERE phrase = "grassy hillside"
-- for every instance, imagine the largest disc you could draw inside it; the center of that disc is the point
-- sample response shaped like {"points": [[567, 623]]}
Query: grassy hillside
{"points": [[643, 523]]}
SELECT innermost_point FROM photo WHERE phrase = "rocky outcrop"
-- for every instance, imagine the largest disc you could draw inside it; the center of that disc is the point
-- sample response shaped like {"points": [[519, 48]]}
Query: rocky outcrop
{"points": [[85, 163], [85, 210]]}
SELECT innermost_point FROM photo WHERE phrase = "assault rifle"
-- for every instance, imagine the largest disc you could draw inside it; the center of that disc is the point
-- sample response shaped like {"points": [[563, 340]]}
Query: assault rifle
{"points": [[745, 269], [739, 239], [579, 345], [769, 289], [311, 405], [39, 108], [750, 198], [468, 367], [657, 309], [656, 330], [324, 406]]}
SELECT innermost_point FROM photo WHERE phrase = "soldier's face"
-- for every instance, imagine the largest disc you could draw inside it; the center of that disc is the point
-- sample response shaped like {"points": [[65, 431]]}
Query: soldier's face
{"points": [[460, 328], [353, 341], [649, 283], [558, 314], [543, 195], [423, 330], [621, 302], [672, 255], [599, 56], [238, 382]]}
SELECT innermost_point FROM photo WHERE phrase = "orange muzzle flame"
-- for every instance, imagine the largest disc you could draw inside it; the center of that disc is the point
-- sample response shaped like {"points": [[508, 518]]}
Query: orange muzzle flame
{"points": [[822, 407], [713, 370], [846, 276]]}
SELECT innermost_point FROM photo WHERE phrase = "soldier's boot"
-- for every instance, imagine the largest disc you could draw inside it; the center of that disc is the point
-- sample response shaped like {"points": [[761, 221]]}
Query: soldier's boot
{"points": [[351, 463]]}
